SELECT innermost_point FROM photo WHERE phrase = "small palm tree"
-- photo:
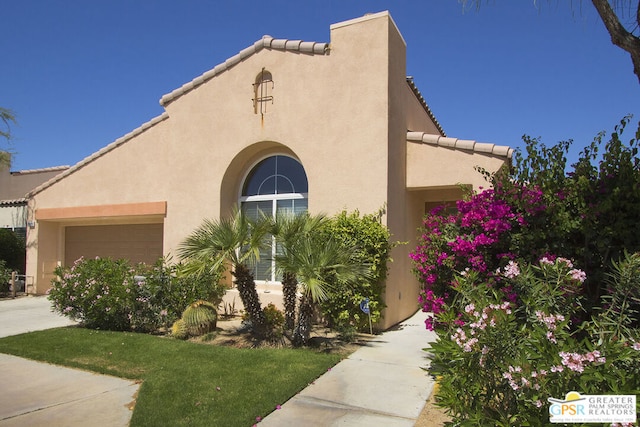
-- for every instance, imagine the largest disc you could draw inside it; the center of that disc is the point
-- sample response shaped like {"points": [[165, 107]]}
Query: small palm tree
{"points": [[236, 240], [7, 117], [288, 229], [317, 262]]}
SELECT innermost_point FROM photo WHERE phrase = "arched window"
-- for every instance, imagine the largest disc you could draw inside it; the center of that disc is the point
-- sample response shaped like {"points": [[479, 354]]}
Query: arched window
{"points": [[275, 186]]}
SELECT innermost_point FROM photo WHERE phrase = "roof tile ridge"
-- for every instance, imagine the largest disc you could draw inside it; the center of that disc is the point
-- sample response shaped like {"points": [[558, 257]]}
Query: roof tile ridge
{"points": [[266, 41], [220, 68], [319, 48], [460, 144], [115, 144], [48, 169]]}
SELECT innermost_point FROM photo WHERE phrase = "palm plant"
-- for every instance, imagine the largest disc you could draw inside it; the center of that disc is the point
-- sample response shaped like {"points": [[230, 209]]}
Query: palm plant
{"points": [[288, 229], [317, 262], [7, 117], [236, 240]]}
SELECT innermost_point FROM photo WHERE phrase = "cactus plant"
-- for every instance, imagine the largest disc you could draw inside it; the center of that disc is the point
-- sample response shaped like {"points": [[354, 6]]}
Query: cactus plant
{"points": [[200, 317], [179, 330]]}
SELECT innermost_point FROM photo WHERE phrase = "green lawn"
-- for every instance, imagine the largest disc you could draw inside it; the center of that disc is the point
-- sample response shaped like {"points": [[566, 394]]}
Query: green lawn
{"points": [[184, 383]]}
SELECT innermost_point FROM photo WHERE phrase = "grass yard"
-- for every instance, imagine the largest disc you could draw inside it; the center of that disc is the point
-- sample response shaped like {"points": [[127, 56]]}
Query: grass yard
{"points": [[183, 383]]}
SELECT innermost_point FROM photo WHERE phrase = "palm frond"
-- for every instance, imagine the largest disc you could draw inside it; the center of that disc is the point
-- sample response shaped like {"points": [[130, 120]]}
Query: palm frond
{"points": [[258, 237], [290, 227], [315, 260], [234, 239]]}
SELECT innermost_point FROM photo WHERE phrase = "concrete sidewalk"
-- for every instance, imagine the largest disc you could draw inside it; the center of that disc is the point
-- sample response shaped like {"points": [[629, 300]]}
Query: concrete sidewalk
{"points": [[40, 394], [381, 384]]}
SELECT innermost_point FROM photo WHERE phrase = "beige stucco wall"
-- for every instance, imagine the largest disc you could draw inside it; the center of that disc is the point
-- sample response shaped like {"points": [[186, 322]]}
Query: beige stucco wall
{"points": [[344, 115], [42, 254], [430, 166], [401, 292], [416, 118]]}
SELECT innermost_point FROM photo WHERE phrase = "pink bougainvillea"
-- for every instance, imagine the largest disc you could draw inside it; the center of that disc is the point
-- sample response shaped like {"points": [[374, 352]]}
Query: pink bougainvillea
{"points": [[476, 238]]}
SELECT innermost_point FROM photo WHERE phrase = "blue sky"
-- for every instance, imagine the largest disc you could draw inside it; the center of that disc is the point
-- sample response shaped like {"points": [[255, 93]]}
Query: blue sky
{"points": [[80, 74]]}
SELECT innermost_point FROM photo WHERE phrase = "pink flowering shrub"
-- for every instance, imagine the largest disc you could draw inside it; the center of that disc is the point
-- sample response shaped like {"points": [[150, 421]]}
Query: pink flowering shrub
{"points": [[498, 361], [94, 292], [111, 294], [479, 237], [515, 323]]}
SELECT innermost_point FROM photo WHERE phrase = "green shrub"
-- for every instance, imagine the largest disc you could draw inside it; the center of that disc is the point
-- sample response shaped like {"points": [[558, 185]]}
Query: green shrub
{"points": [[591, 207], [366, 232], [12, 250], [5, 276], [169, 292], [275, 321], [98, 292], [516, 325], [111, 294], [5, 272], [498, 362]]}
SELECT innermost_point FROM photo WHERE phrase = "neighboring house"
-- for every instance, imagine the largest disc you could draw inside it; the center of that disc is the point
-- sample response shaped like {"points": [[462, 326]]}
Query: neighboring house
{"points": [[13, 204], [13, 188], [284, 125]]}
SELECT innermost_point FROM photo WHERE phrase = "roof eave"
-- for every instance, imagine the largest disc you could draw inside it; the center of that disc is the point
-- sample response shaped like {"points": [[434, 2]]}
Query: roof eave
{"points": [[483, 148]]}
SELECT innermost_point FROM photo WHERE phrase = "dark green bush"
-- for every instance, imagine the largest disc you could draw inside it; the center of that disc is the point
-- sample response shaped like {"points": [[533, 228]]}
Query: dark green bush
{"points": [[366, 232], [173, 291], [5, 277], [275, 321], [12, 250]]}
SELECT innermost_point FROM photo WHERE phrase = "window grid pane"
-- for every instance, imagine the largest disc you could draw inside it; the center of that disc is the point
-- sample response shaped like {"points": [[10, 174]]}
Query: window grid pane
{"points": [[280, 184], [276, 175]]}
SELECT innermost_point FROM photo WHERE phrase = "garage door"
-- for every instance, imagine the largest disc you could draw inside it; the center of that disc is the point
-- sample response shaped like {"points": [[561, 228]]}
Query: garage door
{"points": [[135, 242]]}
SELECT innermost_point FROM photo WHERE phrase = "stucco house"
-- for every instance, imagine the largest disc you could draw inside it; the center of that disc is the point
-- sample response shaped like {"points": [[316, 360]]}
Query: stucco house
{"points": [[14, 185], [284, 125]]}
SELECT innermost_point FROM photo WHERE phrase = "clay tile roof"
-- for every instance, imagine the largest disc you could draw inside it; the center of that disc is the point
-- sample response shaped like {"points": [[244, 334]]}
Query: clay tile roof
{"points": [[49, 169], [266, 42], [460, 144]]}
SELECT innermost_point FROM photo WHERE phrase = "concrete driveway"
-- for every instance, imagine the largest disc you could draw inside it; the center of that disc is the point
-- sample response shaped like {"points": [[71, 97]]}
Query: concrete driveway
{"points": [[28, 314], [40, 394]]}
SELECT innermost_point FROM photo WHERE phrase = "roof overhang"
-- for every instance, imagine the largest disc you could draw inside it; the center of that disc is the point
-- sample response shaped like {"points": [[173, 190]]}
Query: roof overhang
{"points": [[436, 161]]}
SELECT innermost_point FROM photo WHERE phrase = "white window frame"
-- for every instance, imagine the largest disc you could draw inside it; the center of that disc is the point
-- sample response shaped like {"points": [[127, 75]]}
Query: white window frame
{"points": [[274, 198]]}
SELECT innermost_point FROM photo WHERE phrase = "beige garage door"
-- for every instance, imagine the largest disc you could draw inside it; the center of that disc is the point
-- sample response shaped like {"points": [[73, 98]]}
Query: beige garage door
{"points": [[135, 242]]}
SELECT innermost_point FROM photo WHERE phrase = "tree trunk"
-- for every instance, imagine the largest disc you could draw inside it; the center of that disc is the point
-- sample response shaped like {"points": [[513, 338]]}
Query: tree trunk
{"points": [[619, 35], [289, 289], [303, 330], [250, 299]]}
